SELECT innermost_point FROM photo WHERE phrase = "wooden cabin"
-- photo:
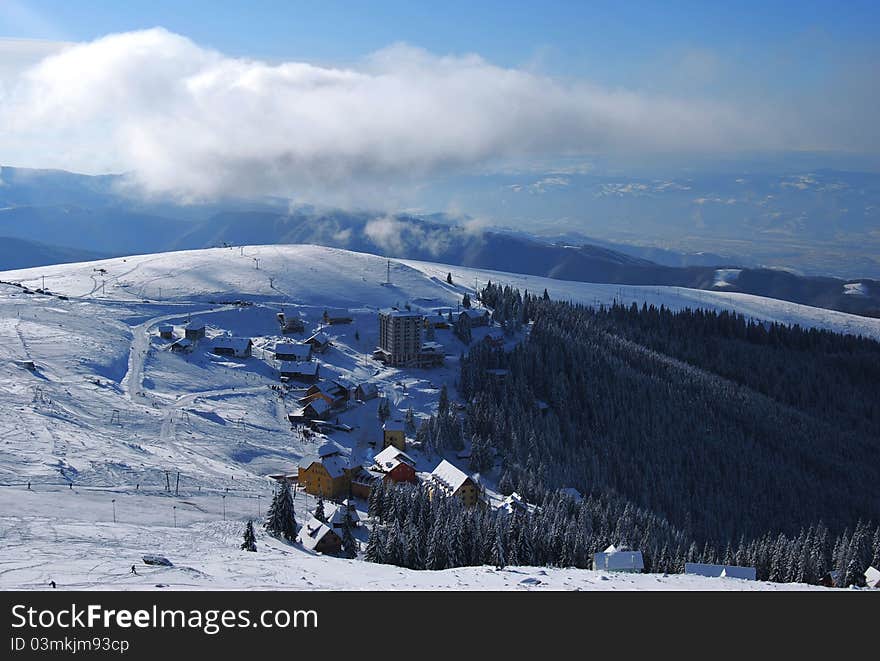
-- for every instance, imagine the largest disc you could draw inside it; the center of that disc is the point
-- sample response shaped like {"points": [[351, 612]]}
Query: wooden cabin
{"points": [[307, 372], [337, 316], [319, 537], [292, 352], [327, 476], [452, 481], [619, 560], [236, 347], [393, 434]]}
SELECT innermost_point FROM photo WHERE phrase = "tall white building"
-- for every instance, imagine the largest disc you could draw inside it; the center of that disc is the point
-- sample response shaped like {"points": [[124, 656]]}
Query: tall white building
{"points": [[400, 336]]}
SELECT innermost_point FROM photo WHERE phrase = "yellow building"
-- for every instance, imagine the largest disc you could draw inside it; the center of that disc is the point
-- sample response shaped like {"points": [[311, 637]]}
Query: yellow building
{"points": [[327, 475], [393, 434], [453, 482]]}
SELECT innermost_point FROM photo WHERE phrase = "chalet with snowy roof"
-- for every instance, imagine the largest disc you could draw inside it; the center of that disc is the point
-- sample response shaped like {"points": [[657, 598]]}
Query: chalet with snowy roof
{"points": [[494, 338], [430, 355], [437, 321], [166, 332], [513, 504], [366, 391], [720, 571], [395, 465], [319, 537], [872, 577], [337, 316], [832, 579], [330, 391], [325, 475], [290, 325], [453, 482], [335, 515], [294, 352], [299, 371], [393, 434], [237, 347], [182, 345], [194, 330], [475, 316], [363, 481], [572, 493], [619, 559], [319, 342]]}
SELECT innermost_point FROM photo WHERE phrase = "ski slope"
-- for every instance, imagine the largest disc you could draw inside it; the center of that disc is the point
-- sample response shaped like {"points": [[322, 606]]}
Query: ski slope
{"points": [[178, 446]]}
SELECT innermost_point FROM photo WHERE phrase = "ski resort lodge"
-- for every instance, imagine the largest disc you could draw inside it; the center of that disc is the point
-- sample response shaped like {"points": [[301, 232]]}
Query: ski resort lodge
{"points": [[393, 434], [166, 332], [337, 316], [400, 341], [194, 330], [619, 559], [300, 371], [453, 482], [319, 342], [238, 347], [395, 465], [326, 474], [318, 537], [292, 352]]}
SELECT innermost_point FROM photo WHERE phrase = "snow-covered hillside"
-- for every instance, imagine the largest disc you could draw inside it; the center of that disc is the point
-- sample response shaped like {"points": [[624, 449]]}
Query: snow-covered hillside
{"points": [[98, 417]]}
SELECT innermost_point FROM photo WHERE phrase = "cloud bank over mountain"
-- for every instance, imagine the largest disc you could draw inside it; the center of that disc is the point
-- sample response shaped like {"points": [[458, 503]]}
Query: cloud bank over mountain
{"points": [[190, 121]]}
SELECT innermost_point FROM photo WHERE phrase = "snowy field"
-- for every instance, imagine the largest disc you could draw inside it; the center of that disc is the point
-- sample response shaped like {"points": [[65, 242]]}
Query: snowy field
{"points": [[107, 419]]}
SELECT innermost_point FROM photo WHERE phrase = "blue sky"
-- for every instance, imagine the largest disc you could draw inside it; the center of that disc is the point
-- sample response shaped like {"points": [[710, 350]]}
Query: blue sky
{"points": [[616, 41], [388, 91]]}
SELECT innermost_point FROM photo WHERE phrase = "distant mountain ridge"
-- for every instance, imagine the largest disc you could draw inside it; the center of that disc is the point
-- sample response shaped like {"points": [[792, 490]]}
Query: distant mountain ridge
{"points": [[93, 214]]}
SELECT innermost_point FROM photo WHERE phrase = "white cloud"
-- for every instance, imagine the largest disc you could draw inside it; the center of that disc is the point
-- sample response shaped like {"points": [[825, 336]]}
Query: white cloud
{"points": [[191, 121]]}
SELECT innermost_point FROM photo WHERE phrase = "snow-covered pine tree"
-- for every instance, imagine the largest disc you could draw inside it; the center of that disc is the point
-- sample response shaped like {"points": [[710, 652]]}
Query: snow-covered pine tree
{"points": [[281, 518], [319, 510], [375, 546], [410, 421], [250, 539], [349, 546]]}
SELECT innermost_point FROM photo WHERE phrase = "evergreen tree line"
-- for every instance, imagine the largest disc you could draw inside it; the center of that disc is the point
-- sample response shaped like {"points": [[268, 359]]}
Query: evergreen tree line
{"points": [[418, 531], [580, 405]]}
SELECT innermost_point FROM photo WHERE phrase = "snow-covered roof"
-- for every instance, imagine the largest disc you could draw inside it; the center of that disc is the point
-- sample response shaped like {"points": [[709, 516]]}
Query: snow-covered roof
{"points": [[234, 343], [514, 502], [166, 328], [572, 493], [330, 388], [319, 406], [474, 313], [312, 532], [368, 387], [301, 351], [328, 449], [872, 577], [393, 425], [336, 514], [335, 464], [391, 456], [195, 324], [337, 313], [320, 337], [730, 571], [293, 367], [496, 334], [391, 312], [614, 559], [450, 477], [432, 346]]}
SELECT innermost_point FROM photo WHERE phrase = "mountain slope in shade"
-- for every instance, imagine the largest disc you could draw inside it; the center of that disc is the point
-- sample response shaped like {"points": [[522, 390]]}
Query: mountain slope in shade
{"points": [[21, 253]]}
